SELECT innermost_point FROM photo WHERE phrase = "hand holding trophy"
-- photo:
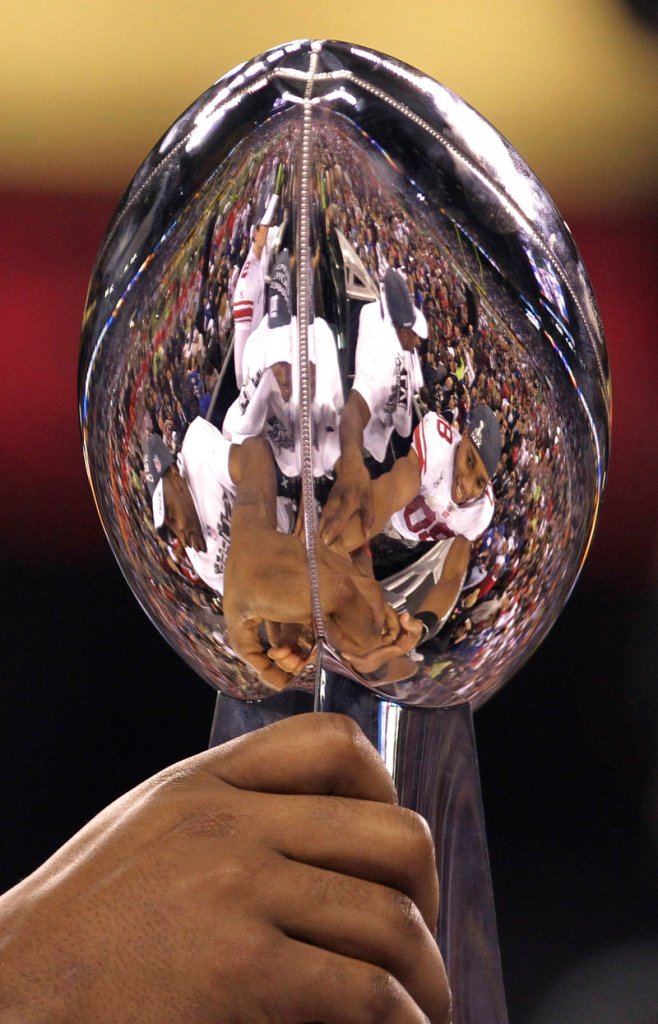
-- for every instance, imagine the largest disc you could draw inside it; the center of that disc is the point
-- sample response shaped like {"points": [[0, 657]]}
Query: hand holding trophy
{"points": [[345, 409]]}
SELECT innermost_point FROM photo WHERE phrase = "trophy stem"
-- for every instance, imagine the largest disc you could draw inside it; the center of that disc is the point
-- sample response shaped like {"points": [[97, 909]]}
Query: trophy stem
{"points": [[235, 717], [431, 755]]}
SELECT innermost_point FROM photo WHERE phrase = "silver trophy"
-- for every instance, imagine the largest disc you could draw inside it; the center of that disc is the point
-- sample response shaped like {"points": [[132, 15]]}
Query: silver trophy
{"points": [[345, 406]]}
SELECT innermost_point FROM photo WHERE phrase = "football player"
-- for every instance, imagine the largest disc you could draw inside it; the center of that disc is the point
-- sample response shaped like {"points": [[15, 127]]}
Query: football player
{"points": [[220, 501], [440, 491], [387, 375]]}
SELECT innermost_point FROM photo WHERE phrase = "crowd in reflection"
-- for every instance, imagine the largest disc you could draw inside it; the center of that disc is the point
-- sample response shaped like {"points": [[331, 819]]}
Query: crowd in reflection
{"points": [[471, 357], [408, 369]]}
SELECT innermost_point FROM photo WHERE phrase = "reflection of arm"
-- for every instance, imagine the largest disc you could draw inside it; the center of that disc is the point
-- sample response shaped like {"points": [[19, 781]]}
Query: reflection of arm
{"points": [[391, 492], [251, 466], [266, 577], [354, 420], [443, 596], [352, 491], [440, 601]]}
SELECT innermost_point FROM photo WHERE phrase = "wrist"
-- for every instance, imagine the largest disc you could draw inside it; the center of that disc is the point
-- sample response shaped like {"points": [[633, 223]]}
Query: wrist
{"points": [[30, 989], [350, 461]]}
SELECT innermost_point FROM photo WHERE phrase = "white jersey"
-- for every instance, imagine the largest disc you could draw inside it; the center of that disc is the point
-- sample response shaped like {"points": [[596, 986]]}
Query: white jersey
{"points": [[249, 301], [386, 376], [204, 463], [261, 410], [433, 514]]}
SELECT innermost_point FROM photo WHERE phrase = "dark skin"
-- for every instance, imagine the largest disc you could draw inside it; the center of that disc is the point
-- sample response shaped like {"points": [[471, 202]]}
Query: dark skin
{"points": [[273, 878], [352, 489], [407, 338], [358, 622], [275, 589], [440, 600], [282, 372], [266, 579], [292, 645], [283, 376], [393, 491], [180, 512]]}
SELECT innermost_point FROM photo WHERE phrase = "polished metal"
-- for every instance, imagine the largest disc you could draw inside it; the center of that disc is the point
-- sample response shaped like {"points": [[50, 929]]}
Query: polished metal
{"points": [[322, 284], [377, 166]]}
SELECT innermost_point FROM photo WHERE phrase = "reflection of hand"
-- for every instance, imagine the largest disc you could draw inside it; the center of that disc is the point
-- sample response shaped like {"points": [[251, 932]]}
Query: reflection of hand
{"points": [[409, 635], [266, 580], [292, 646], [273, 878], [289, 659], [266, 576], [352, 492]]}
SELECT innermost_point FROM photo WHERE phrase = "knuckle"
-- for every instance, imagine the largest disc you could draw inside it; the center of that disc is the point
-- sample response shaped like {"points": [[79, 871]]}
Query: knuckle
{"points": [[404, 915], [341, 734], [351, 754], [179, 781], [234, 879], [383, 996], [419, 840]]}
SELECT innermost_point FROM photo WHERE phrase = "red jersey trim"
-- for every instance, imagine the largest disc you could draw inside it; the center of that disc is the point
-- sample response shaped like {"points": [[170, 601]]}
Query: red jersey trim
{"points": [[419, 444]]}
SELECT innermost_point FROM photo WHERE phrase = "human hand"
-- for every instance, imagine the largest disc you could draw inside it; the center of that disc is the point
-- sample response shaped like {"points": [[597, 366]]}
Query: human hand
{"points": [[292, 646], [409, 634], [266, 581], [271, 878], [352, 492], [277, 593]]}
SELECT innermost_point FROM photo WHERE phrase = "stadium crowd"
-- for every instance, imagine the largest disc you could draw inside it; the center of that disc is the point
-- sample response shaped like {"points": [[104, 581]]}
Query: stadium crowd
{"points": [[180, 344]]}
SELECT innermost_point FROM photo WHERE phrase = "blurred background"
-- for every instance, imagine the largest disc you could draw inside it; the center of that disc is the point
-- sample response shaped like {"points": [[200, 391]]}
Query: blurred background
{"points": [[92, 701]]}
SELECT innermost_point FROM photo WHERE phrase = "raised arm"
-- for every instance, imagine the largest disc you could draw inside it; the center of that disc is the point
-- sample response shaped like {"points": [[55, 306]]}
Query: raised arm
{"points": [[440, 601], [352, 491], [266, 578], [442, 598], [390, 492]]}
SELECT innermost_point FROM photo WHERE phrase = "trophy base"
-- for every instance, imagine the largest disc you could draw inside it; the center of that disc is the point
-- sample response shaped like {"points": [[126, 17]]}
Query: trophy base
{"points": [[431, 755]]}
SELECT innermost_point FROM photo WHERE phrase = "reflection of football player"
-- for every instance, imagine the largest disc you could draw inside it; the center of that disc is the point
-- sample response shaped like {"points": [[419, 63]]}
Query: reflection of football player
{"points": [[441, 490], [194, 497], [388, 374], [223, 497], [267, 584], [268, 403], [249, 296]]}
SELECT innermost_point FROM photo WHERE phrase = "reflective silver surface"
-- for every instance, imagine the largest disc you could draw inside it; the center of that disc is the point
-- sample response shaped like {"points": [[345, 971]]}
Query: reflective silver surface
{"points": [[252, 248]]}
